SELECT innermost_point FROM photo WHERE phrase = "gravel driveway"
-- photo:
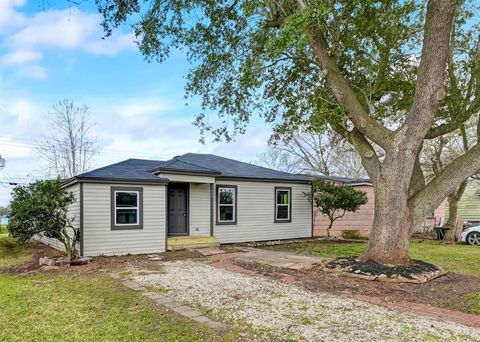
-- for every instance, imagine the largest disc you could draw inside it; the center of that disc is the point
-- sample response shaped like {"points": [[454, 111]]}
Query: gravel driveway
{"points": [[279, 311]]}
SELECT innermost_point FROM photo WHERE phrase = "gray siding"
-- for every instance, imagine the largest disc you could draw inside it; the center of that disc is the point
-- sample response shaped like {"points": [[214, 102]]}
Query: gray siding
{"points": [[73, 213], [100, 239], [199, 209], [255, 214]]}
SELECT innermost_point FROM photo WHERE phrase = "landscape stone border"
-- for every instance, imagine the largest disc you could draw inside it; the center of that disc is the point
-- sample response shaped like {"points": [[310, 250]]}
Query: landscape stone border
{"points": [[417, 279], [172, 304]]}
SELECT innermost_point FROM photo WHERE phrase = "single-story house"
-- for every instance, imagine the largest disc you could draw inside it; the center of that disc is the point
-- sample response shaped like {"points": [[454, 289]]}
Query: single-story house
{"points": [[362, 220], [145, 206]]}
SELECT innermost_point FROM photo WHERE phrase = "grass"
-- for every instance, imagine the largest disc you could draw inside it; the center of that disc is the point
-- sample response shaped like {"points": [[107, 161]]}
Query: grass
{"points": [[12, 254], [84, 307], [49, 308], [457, 258]]}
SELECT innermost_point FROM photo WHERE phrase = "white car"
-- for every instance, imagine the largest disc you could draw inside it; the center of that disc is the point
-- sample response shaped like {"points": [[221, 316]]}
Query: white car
{"points": [[471, 236]]}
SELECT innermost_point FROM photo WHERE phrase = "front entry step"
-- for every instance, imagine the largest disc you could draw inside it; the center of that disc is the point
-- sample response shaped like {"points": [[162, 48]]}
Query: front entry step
{"points": [[184, 242]]}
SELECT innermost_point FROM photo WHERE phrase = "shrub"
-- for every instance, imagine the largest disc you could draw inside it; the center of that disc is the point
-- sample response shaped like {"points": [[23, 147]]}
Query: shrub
{"points": [[353, 234], [42, 208]]}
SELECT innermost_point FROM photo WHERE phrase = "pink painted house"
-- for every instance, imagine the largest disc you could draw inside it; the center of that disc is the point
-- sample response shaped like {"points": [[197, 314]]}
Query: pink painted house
{"points": [[362, 220]]}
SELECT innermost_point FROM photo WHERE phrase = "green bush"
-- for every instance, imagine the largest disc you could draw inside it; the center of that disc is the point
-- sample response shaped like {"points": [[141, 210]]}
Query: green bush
{"points": [[353, 234], [3, 229]]}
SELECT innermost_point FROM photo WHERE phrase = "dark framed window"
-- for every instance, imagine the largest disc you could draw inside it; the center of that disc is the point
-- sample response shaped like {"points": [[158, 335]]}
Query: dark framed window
{"points": [[226, 204], [126, 208], [283, 204]]}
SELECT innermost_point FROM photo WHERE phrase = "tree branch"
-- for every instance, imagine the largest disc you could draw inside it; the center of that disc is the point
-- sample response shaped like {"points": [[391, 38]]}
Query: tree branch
{"points": [[447, 181], [344, 93], [431, 71]]}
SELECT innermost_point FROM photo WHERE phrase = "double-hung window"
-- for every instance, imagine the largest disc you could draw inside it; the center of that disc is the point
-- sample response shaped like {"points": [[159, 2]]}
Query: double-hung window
{"points": [[283, 204], [126, 208], [226, 204]]}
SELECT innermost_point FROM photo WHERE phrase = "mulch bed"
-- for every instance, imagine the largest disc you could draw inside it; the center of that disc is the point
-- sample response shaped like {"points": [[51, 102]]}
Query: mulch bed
{"points": [[416, 272], [38, 250], [448, 292]]}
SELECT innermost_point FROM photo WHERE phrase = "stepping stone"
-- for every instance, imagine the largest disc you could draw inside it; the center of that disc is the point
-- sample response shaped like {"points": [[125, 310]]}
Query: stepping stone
{"points": [[133, 286], [172, 305], [156, 258], [187, 311], [216, 325], [201, 319]]}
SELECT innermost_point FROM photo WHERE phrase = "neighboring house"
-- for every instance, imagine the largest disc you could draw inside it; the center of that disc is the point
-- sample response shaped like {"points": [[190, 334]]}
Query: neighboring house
{"points": [[145, 206], [362, 220], [469, 204]]}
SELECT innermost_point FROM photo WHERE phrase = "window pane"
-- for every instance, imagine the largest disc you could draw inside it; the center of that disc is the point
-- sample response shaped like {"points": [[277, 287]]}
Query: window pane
{"points": [[226, 196], [226, 213], [126, 199], [282, 212], [126, 216], [282, 197]]}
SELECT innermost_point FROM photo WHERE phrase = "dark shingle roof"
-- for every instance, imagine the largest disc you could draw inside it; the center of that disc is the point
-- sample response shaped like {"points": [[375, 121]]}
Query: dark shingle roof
{"points": [[143, 170], [130, 169], [237, 169]]}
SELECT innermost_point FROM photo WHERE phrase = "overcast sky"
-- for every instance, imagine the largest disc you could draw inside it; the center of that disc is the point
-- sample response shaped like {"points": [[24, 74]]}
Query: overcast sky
{"points": [[49, 52]]}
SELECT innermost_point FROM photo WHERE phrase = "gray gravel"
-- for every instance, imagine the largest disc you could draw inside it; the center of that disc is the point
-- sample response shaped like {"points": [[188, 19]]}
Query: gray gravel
{"points": [[271, 309]]}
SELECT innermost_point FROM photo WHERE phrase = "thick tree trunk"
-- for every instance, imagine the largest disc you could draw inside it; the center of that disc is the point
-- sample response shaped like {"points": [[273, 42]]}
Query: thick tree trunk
{"points": [[453, 199], [393, 222]]}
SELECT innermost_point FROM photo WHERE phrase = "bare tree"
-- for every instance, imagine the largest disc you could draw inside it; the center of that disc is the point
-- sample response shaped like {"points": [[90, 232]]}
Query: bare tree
{"points": [[69, 149], [304, 151]]}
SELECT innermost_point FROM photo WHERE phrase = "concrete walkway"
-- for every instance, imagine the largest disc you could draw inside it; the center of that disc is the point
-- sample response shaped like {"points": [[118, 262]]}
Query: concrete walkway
{"points": [[270, 258]]}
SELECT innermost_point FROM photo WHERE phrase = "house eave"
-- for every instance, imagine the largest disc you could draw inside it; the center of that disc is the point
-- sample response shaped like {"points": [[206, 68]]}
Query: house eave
{"points": [[113, 180], [268, 180]]}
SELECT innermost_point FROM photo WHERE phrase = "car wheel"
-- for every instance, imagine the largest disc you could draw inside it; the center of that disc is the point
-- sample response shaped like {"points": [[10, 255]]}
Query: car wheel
{"points": [[473, 239]]}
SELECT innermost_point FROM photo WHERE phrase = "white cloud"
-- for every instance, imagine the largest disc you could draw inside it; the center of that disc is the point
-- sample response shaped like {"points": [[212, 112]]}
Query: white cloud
{"points": [[21, 57], [71, 29], [140, 108], [10, 18], [68, 29]]}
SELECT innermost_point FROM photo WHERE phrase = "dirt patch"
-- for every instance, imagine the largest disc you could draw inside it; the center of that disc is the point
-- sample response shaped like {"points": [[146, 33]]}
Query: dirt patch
{"points": [[37, 250], [450, 291]]}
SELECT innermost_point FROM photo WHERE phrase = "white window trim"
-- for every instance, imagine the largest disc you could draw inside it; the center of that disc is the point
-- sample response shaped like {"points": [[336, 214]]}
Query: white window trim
{"points": [[226, 205], [283, 205], [129, 208]]}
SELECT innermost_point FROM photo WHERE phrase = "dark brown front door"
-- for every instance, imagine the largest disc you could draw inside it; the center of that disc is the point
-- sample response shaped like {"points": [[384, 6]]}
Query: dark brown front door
{"points": [[177, 209]]}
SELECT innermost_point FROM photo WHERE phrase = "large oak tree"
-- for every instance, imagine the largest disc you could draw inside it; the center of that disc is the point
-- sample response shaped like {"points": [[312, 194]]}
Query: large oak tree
{"points": [[374, 71]]}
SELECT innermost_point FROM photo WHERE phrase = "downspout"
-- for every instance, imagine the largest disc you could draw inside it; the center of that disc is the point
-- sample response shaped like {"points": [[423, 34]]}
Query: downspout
{"points": [[81, 222], [211, 210]]}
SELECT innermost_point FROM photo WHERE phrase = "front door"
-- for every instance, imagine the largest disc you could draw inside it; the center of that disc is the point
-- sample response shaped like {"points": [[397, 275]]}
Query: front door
{"points": [[177, 209]]}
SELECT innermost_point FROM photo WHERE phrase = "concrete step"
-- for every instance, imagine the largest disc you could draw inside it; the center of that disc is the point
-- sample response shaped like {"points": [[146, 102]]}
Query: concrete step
{"points": [[184, 242]]}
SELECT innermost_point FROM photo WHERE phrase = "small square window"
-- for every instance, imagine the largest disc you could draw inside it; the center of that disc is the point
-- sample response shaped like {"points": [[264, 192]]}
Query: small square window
{"points": [[126, 208]]}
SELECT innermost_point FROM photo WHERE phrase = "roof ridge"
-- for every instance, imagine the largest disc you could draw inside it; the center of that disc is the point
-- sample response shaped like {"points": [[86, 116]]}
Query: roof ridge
{"points": [[239, 161], [200, 166]]}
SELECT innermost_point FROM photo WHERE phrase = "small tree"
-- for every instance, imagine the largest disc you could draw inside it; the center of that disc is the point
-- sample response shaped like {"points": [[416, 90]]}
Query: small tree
{"points": [[335, 200], [41, 208]]}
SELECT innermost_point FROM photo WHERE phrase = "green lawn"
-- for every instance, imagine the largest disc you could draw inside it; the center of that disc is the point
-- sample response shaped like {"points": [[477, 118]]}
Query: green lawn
{"points": [[11, 254], [453, 257], [56, 307]]}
